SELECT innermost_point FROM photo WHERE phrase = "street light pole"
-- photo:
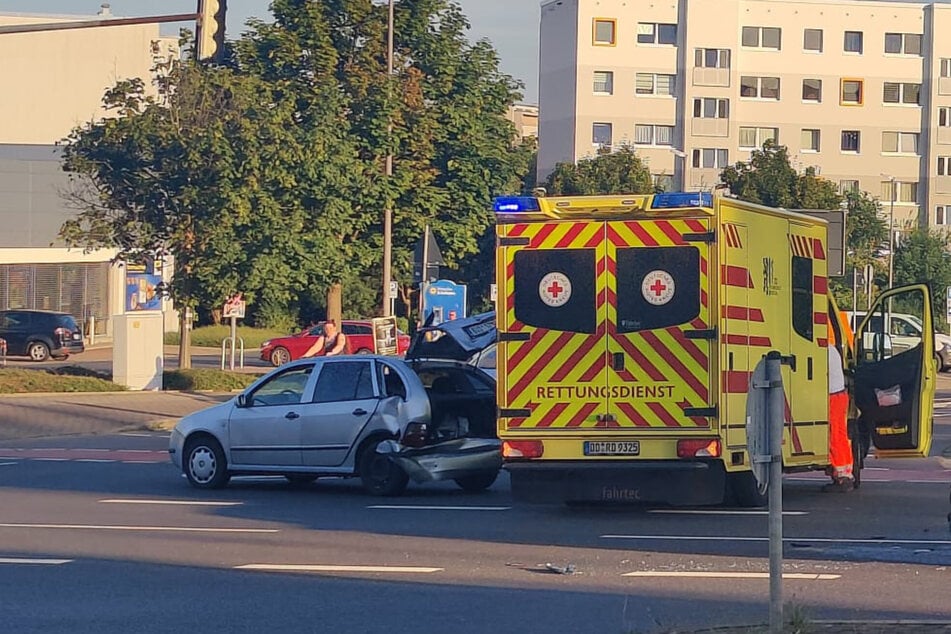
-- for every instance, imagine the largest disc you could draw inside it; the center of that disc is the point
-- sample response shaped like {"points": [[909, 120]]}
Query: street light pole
{"points": [[388, 211], [891, 235], [680, 154]]}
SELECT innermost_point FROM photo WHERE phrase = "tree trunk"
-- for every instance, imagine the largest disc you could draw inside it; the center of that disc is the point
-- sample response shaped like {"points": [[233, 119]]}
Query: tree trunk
{"points": [[335, 303], [185, 340]]}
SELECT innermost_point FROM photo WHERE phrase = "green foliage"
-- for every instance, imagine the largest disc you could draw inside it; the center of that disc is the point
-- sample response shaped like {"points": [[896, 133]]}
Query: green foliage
{"points": [[34, 381], [212, 336], [206, 380], [865, 232], [620, 172], [770, 179], [923, 256]]}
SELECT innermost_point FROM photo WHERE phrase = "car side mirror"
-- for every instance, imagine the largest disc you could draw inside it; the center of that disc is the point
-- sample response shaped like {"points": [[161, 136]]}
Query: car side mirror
{"points": [[242, 400]]}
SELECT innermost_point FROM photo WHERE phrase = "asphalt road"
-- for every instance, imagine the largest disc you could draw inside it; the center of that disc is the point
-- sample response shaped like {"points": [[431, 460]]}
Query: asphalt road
{"points": [[100, 533], [100, 360]]}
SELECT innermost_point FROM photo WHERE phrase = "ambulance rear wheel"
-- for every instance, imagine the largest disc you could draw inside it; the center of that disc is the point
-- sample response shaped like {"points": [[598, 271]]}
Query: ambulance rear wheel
{"points": [[744, 491]]}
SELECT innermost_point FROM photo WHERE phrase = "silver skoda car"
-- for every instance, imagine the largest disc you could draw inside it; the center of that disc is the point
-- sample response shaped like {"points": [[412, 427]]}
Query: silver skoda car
{"points": [[382, 419]]}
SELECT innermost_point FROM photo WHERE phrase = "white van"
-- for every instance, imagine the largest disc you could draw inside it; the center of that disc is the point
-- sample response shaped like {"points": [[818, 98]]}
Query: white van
{"points": [[905, 332]]}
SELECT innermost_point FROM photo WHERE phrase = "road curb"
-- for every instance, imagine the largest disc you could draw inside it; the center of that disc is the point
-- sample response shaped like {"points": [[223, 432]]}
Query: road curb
{"points": [[119, 392], [165, 424]]}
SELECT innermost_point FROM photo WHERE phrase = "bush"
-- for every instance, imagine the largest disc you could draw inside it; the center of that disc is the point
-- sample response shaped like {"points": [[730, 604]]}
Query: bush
{"points": [[26, 381], [212, 336], [207, 380]]}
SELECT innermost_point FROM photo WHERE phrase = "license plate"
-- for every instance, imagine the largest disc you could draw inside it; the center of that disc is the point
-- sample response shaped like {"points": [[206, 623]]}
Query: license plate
{"points": [[612, 448]]}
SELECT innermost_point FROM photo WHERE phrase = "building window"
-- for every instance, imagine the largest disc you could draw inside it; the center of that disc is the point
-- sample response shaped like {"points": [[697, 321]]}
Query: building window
{"points": [[945, 67], [905, 93], [603, 82], [711, 108], [941, 215], [809, 141], [944, 117], [645, 134], [851, 92], [851, 140], [812, 40], [903, 43], [711, 58], [601, 134], [654, 84], [847, 186], [812, 90], [655, 33], [853, 42], [900, 142], [762, 37], [753, 138], [604, 32], [907, 193], [944, 166], [710, 158], [759, 87]]}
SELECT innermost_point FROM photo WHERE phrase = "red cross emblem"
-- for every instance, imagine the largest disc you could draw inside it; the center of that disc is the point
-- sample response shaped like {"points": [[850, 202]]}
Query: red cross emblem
{"points": [[658, 287], [555, 289]]}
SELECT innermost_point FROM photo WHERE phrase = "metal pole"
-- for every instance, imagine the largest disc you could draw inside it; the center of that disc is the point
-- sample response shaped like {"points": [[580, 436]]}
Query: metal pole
{"points": [[423, 277], [234, 336], [388, 212], [776, 412], [891, 236]]}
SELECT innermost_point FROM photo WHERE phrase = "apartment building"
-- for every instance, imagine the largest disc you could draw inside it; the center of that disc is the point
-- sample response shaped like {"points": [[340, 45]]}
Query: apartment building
{"points": [[525, 118], [859, 90]]}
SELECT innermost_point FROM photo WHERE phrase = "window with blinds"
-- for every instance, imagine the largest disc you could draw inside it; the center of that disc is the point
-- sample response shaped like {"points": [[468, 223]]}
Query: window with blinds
{"points": [[80, 289]]}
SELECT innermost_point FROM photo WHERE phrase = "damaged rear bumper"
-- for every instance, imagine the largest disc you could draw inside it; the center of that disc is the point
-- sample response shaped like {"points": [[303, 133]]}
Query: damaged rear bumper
{"points": [[447, 460]]}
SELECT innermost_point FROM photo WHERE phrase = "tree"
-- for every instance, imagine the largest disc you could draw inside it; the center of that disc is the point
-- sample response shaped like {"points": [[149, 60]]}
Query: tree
{"points": [[619, 172], [923, 256], [770, 179], [865, 231]]}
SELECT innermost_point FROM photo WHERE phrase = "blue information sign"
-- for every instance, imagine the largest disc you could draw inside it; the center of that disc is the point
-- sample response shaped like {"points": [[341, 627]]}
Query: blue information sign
{"points": [[444, 300]]}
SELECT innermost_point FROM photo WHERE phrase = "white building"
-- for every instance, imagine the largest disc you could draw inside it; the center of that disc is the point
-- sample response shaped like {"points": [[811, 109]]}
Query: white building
{"points": [[861, 90]]}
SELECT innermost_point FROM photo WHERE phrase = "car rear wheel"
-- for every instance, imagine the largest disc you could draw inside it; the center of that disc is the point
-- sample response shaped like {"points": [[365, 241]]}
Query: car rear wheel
{"points": [[280, 356], [205, 464], [476, 483], [744, 490], [939, 364], [380, 475], [38, 351], [364, 351]]}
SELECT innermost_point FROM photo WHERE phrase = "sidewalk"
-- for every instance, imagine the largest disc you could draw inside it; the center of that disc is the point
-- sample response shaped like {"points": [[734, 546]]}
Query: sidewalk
{"points": [[36, 415]]}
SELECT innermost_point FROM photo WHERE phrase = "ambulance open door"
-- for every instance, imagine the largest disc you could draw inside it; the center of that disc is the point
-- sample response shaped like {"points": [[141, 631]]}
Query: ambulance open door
{"points": [[894, 377]]}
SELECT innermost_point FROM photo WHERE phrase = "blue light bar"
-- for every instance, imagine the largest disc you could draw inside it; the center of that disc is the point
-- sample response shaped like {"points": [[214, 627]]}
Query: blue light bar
{"points": [[507, 204], [682, 199]]}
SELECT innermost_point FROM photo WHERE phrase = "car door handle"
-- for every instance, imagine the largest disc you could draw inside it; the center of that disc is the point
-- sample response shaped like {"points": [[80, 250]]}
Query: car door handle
{"points": [[291, 415], [359, 412]]}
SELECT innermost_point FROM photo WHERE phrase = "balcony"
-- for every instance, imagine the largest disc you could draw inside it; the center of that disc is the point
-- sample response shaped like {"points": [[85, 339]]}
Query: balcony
{"points": [[719, 77], [710, 127]]}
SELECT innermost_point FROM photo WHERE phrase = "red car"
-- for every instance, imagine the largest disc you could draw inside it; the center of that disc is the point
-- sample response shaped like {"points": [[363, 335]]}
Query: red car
{"points": [[292, 347]]}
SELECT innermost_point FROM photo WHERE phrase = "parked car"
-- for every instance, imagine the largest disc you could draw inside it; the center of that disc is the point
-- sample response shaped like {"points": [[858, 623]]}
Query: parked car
{"points": [[40, 334], [283, 350], [383, 419], [904, 332]]}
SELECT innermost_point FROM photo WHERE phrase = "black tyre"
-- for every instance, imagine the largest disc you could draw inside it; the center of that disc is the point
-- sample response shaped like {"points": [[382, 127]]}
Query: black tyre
{"points": [[380, 475], [37, 351], [476, 483], [744, 491], [939, 366], [299, 479], [204, 463], [280, 356], [364, 351]]}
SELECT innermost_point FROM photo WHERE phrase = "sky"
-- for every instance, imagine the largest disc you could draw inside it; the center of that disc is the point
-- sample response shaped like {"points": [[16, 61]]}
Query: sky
{"points": [[511, 25]]}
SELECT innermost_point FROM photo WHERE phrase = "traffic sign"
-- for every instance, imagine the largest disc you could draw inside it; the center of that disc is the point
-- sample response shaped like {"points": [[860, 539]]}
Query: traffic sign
{"points": [[394, 290], [948, 303]]}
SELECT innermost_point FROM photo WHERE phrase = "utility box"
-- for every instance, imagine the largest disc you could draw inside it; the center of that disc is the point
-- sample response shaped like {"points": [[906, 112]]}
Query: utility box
{"points": [[137, 352]]}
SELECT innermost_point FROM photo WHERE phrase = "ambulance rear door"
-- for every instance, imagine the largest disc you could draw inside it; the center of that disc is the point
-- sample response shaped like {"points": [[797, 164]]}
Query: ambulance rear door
{"points": [[894, 385], [551, 363], [661, 331]]}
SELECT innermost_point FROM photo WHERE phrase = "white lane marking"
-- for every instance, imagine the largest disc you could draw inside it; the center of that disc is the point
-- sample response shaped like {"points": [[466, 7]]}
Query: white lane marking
{"points": [[101, 450], [824, 540], [135, 450], [716, 512], [40, 562], [137, 435], [143, 462], [171, 529], [421, 507], [93, 460], [52, 459], [327, 568], [8, 464], [733, 575], [171, 502]]}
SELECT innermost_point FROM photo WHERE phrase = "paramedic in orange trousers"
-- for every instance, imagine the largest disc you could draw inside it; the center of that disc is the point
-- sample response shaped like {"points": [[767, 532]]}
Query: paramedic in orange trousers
{"points": [[840, 449]]}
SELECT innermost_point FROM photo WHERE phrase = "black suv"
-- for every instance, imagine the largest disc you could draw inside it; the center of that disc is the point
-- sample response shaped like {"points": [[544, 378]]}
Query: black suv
{"points": [[40, 334]]}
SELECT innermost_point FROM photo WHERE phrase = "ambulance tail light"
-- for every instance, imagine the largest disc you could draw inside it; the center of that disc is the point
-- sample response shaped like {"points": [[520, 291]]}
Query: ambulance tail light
{"points": [[522, 449], [698, 448]]}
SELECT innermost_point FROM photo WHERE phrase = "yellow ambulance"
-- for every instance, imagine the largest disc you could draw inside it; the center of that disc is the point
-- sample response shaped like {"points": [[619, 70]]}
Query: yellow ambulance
{"points": [[629, 327]]}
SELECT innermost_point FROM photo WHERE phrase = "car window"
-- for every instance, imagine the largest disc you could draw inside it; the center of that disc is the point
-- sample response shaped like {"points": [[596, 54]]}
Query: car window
{"points": [[285, 388], [487, 360], [357, 329], [904, 328], [390, 380], [454, 381], [15, 319], [66, 321], [344, 381]]}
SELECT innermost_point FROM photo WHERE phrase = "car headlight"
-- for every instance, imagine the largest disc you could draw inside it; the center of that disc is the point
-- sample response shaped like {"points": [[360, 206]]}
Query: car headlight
{"points": [[266, 344]]}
